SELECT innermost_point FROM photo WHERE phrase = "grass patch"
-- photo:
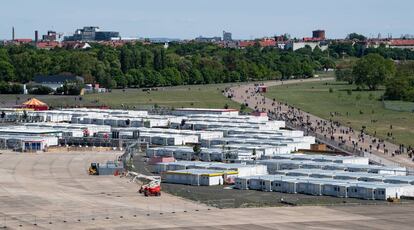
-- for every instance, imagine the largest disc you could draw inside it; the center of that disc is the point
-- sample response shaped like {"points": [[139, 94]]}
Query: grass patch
{"points": [[198, 96], [356, 108]]}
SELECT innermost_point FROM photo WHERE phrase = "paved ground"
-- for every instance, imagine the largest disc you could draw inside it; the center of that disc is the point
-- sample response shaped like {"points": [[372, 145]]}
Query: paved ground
{"points": [[53, 191], [246, 94]]}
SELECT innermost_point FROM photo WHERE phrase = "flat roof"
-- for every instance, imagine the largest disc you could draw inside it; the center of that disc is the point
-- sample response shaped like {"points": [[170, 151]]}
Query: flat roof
{"points": [[202, 172]]}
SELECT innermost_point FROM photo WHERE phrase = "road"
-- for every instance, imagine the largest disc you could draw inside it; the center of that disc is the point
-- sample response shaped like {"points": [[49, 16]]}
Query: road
{"points": [[53, 191], [331, 131]]}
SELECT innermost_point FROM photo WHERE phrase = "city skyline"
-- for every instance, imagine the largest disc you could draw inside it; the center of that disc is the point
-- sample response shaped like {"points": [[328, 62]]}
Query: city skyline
{"points": [[187, 19]]}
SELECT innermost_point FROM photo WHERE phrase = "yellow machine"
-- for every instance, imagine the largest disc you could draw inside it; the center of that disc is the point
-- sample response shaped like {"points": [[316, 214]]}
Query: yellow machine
{"points": [[93, 169]]}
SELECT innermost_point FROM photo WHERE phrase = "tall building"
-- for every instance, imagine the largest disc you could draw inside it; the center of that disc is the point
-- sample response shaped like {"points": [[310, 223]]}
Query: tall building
{"points": [[318, 34], [227, 36], [92, 33]]}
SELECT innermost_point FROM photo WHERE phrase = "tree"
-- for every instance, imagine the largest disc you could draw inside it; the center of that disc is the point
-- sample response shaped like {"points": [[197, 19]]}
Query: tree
{"points": [[243, 107], [197, 151], [6, 71], [372, 70], [355, 36], [344, 75], [41, 90]]}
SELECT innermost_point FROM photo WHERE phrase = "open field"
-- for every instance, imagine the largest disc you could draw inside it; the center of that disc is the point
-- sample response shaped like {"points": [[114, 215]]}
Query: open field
{"points": [[200, 96], [53, 191], [360, 108]]}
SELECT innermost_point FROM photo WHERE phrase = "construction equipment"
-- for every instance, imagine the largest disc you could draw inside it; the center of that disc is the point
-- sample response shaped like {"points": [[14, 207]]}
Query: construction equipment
{"points": [[151, 188], [93, 169], [108, 168]]}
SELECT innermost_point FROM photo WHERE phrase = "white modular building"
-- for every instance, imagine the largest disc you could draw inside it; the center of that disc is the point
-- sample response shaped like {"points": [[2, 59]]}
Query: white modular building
{"points": [[27, 142], [283, 164], [241, 169], [325, 158], [329, 187], [197, 177], [190, 111], [399, 180]]}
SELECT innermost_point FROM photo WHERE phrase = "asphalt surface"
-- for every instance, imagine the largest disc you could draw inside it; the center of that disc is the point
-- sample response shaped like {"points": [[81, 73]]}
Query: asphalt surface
{"points": [[53, 191]]}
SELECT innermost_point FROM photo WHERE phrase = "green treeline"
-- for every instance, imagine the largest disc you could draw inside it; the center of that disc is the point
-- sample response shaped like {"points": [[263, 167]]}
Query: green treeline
{"points": [[152, 65]]}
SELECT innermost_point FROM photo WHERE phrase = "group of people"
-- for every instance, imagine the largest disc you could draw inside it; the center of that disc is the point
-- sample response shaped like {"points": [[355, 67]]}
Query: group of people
{"points": [[330, 130]]}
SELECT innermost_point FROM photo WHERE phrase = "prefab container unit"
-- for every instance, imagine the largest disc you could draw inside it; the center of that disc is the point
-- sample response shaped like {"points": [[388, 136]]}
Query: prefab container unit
{"points": [[200, 134], [188, 111], [261, 149], [325, 158], [200, 125], [109, 111], [176, 151], [285, 185], [29, 131], [284, 146], [27, 143], [241, 169], [220, 117], [379, 191], [337, 188], [267, 137], [272, 125], [92, 129], [399, 180], [283, 164], [196, 177], [262, 182], [398, 171], [310, 186], [243, 183], [180, 165], [372, 177], [168, 139], [249, 131], [244, 170], [277, 165], [331, 174]]}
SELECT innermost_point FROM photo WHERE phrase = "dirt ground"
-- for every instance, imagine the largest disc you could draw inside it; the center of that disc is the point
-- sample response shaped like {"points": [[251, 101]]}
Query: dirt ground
{"points": [[54, 191]]}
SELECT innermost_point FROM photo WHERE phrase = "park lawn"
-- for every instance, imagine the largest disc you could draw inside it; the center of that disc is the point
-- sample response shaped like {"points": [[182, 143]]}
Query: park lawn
{"points": [[315, 98], [199, 96]]}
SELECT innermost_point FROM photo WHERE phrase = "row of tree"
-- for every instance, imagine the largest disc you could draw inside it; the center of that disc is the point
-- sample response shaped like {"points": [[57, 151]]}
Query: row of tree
{"points": [[151, 65]]}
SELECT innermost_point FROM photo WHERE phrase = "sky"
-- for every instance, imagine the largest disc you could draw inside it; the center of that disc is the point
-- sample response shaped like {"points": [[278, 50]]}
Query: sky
{"points": [[188, 19]]}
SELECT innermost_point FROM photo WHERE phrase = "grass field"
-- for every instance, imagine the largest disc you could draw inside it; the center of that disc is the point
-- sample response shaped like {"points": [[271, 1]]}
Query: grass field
{"points": [[364, 108], [200, 96]]}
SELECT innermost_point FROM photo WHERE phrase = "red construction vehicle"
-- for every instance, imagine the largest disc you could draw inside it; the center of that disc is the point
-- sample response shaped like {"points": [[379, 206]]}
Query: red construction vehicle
{"points": [[151, 188]]}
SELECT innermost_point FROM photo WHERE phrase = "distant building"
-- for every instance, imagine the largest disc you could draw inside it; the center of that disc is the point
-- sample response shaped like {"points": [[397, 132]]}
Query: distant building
{"points": [[402, 44], [227, 36], [267, 42], [92, 33], [56, 81], [295, 45], [47, 44], [244, 44], [319, 34], [208, 39], [50, 36], [76, 45]]}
